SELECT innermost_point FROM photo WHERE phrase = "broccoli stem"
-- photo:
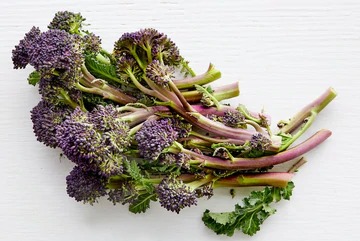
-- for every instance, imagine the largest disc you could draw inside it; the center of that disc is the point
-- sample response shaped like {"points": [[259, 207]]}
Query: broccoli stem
{"points": [[275, 179], [102, 59], [200, 182], [209, 76], [216, 140], [220, 129], [308, 111], [220, 93], [139, 116], [100, 87], [67, 100], [264, 161]]}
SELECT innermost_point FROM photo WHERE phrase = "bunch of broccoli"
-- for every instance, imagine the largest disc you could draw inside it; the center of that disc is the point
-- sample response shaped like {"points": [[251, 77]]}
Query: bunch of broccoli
{"points": [[141, 126]]}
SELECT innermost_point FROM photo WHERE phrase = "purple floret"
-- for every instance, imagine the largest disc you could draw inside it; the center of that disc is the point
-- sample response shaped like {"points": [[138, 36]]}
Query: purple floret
{"points": [[46, 118], [159, 73], [174, 195], [127, 65], [80, 141], [20, 55], [85, 186], [233, 119], [154, 136], [179, 159], [52, 89], [149, 44], [94, 140], [68, 21], [56, 49], [104, 117], [115, 131], [260, 142], [167, 51], [92, 43]]}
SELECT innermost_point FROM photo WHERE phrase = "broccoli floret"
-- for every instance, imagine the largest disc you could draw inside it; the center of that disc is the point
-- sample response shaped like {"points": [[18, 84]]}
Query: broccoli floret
{"points": [[174, 195], [67, 21], [85, 186], [20, 55], [56, 91], [46, 118], [159, 73], [260, 142], [154, 136], [94, 141], [56, 50]]}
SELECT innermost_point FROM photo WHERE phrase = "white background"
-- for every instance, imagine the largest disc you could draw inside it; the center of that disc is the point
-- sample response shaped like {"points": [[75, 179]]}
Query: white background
{"points": [[284, 53]]}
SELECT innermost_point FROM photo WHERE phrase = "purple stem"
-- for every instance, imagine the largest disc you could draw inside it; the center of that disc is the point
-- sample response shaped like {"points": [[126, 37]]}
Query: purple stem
{"points": [[314, 107], [264, 161], [275, 179]]}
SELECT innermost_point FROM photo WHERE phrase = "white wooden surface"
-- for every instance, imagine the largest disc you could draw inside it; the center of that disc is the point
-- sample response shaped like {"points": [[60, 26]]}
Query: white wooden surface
{"points": [[284, 53]]}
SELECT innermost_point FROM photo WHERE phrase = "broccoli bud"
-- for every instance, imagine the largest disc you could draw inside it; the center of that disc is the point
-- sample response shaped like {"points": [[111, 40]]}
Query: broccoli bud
{"points": [[154, 136], [46, 118], [174, 195], [67, 21], [85, 186]]}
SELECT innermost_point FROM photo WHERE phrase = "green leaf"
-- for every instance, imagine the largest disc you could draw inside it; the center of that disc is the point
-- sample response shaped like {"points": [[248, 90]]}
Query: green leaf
{"points": [[222, 218], [220, 223], [133, 170], [287, 191], [142, 203], [34, 78], [102, 70], [248, 217], [250, 224]]}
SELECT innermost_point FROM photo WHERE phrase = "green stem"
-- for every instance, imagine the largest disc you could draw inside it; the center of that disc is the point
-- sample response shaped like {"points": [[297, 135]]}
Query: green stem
{"points": [[102, 59], [275, 179], [209, 76], [138, 60], [308, 121], [198, 183], [220, 93], [186, 66], [314, 107], [100, 87], [67, 100]]}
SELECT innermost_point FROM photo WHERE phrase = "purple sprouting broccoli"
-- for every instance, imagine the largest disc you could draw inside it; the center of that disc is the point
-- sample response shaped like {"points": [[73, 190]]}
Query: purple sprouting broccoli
{"points": [[107, 120], [46, 118], [260, 142], [92, 43], [174, 194], [94, 141], [57, 92], [180, 159], [67, 21], [159, 73], [147, 45], [154, 136], [80, 140], [51, 50], [233, 119], [127, 68], [20, 55], [85, 186]]}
